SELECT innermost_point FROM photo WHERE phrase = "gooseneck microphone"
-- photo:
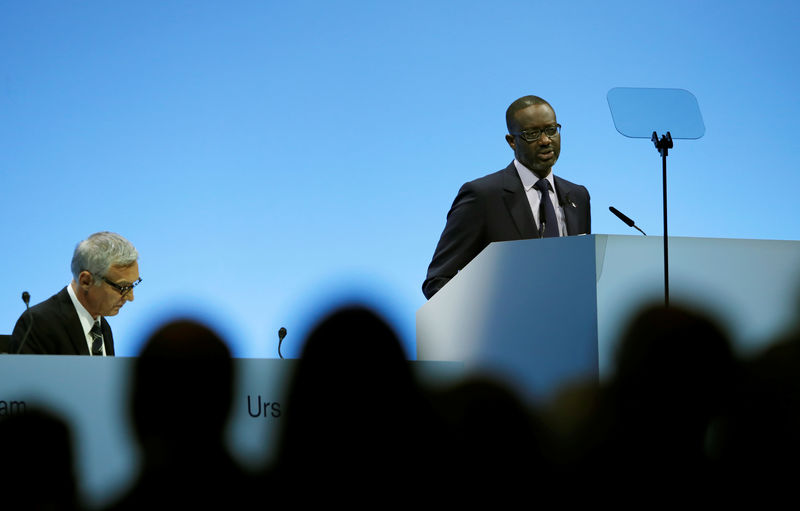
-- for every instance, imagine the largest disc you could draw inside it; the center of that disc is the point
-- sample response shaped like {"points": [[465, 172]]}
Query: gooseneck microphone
{"points": [[625, 219], [281, 335], [26, 297]]}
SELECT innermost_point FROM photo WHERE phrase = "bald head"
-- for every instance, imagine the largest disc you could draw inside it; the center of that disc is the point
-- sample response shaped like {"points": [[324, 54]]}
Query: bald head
{"points": [[516, 106]]}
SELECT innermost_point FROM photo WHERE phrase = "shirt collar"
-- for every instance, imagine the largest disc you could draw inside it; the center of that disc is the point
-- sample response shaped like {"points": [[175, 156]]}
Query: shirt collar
{"points": [[87, 321], [529, 178]]}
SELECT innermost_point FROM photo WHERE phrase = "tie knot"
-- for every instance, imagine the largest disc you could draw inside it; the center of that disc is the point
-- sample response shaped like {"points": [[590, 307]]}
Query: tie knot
{"points": [[543, 185]]}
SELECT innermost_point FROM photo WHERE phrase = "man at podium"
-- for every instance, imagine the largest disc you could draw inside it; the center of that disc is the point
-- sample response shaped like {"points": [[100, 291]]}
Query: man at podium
{"points": [[524, 200]]}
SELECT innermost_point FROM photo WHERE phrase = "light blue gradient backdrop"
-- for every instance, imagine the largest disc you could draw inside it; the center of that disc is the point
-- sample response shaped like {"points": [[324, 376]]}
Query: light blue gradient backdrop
{"points": [[269, 159]]}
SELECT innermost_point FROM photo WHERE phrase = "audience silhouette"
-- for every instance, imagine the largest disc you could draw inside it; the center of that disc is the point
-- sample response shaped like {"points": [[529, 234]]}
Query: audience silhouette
{"points": [[496, 444], [762, 438], [657, 426], [356, 421], [680, 415], [181, 398], [37, 469]]}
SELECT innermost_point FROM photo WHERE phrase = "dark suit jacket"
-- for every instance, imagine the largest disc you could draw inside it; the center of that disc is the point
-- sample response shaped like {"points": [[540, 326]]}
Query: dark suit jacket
{"points": [[495, 208], [56, 329]]}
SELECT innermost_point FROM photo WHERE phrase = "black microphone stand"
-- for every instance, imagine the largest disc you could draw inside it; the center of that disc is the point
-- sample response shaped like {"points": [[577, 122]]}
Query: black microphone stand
{"points": [[663, 146], [26, 297]]}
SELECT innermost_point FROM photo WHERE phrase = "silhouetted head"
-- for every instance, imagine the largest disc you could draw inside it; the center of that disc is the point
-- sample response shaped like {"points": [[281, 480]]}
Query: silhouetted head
{"points": [[352, 332], [352, 395], [182, 384], [350, 351], [37, 471], [491, 420], [674, 357]]}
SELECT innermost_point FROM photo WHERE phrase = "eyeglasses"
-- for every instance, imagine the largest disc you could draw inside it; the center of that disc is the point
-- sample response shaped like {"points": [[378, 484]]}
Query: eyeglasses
{"points": [[122, 290], [535, 134]]}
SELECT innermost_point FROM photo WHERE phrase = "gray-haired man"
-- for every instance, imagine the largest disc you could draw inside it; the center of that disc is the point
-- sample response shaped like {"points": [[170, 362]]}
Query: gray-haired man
{"points": [[72, 322]]}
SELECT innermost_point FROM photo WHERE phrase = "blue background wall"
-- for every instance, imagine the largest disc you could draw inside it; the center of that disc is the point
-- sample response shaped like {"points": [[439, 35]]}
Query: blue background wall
{"points": [[269, 160]]}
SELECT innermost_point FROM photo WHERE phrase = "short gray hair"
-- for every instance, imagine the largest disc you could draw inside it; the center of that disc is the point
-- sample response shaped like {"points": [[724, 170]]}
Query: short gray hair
{"points": [[97, 253]]}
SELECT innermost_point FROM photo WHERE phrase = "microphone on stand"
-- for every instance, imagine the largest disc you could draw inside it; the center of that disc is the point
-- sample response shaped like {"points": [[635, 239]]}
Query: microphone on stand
{"points": [[625, 219], [281, 335], [26, 297]]}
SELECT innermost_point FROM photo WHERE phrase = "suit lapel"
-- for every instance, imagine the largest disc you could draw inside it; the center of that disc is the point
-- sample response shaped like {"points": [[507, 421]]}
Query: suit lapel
{"points": [[108, 339], [72, 323], [563, 190], [517, 203]]}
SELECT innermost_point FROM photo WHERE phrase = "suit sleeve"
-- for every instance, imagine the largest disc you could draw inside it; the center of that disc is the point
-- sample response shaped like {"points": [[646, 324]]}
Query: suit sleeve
{"points": [[464, 236], [35, 343], [588, 217]]}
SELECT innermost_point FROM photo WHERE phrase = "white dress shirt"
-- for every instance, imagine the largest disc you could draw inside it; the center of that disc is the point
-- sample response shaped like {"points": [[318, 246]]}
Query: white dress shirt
{"points": [[535, 196], [87, 321]]}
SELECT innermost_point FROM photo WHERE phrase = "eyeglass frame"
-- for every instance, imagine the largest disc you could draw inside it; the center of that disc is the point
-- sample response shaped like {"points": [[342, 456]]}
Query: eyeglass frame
{"points": [[524, 133], [122, 290]]}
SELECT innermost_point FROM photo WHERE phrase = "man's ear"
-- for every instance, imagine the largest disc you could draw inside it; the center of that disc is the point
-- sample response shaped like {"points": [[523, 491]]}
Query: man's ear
{"points": [[510, 140], [85, 279]]}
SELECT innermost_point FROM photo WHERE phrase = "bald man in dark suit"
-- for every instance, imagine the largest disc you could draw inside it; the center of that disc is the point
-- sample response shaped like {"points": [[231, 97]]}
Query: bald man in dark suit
{"points": [[511, 204]]}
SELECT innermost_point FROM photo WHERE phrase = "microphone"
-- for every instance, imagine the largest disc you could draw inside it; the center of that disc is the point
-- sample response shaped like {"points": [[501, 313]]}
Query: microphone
{"points": [[26, 297], [625, 219], [281, 335]]}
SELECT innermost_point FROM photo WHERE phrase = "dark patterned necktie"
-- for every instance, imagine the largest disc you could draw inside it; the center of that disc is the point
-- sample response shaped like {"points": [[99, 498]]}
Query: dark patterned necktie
{"points": [[548, 220], [97, 340]]}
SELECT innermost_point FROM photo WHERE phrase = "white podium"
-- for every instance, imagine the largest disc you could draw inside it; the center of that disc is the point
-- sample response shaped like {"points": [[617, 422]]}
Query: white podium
{"points": [[539, 313]]}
